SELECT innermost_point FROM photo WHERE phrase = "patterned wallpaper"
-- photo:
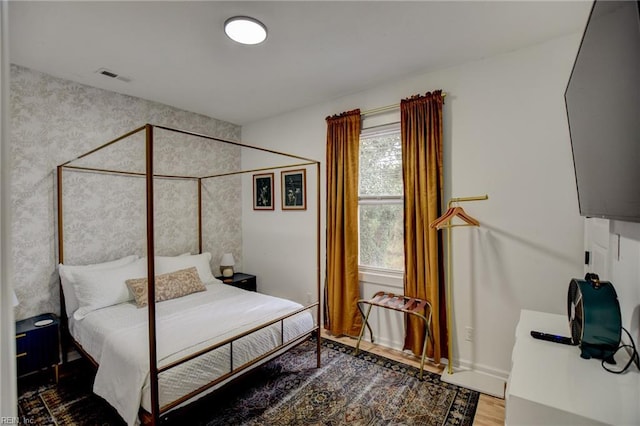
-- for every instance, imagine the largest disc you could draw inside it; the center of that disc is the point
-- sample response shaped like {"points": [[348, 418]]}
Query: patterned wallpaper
{"points": [[55, 120]]}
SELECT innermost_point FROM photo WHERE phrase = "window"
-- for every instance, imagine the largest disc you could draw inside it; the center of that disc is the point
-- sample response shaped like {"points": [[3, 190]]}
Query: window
{"points": [[380, 199]]}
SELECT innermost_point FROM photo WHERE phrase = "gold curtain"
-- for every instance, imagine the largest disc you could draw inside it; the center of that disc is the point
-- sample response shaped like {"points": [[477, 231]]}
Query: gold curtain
{"points": [[421, 131], [342, 286]]}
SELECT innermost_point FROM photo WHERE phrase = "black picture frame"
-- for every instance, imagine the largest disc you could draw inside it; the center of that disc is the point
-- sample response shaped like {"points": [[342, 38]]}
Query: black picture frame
{"points": [[294, 190], [263, 191]]}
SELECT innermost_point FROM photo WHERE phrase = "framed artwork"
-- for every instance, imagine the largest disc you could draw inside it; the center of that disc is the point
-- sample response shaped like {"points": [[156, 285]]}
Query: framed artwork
{"points": [[263, 191], [294, 191]]}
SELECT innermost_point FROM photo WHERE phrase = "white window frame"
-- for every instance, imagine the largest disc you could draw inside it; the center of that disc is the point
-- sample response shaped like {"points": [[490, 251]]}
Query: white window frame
{"points": [[372, 274]]}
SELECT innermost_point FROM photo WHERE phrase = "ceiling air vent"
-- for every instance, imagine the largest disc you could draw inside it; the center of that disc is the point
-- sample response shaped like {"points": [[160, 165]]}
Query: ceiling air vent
{"points": [[108, 73], [111, 74]]}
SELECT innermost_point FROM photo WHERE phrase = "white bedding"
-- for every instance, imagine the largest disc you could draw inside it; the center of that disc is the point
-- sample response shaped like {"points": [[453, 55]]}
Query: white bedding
{"points": [[116, 337]]}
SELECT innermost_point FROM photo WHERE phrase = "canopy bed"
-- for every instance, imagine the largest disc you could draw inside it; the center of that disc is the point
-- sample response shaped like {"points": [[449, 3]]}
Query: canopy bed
{"points": [[155, 354]]}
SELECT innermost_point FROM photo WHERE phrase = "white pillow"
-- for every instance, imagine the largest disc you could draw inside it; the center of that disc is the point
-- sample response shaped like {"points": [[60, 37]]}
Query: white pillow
{"points": [[97, 289], [66, 279], [166, 264]]}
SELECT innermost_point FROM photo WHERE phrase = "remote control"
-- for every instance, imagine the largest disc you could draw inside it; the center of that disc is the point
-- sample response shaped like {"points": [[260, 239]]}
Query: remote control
{"points": [[552, 338]]}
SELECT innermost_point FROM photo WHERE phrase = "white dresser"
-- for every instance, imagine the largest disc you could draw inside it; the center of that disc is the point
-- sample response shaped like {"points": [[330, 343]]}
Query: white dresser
{"points": [[550, 384]]}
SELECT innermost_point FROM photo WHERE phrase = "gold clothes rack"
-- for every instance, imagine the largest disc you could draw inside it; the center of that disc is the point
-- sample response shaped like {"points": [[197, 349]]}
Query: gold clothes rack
{"points": [[445, 221]]}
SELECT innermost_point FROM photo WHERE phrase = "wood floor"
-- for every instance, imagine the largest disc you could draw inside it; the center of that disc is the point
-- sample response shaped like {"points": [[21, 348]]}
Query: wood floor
{"points": [[490, 410]]}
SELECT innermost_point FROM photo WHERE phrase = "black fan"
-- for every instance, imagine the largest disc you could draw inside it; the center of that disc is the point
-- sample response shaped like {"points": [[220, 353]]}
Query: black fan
{"points": [[594, 317], [574, 308]]}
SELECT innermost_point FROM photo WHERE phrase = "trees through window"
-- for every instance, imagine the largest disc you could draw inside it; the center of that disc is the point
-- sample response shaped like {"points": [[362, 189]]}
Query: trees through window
{"points": [[381, 227]]}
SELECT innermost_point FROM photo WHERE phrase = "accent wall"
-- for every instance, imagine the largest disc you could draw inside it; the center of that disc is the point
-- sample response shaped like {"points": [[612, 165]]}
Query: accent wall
{"points": [[54, 121]]}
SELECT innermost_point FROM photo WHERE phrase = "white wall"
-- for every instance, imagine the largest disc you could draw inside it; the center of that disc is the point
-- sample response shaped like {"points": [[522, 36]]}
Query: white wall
{"points": [[615, 257], [282, 247], [505, 135], [8, 390]]}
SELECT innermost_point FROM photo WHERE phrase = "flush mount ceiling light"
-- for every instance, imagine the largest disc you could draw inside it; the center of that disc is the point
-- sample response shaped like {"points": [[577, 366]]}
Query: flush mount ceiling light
{"points": [[245, 30]]}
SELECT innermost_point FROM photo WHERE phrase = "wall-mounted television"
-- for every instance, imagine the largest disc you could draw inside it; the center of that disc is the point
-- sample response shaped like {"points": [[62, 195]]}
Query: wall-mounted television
{"points": [[603, 109]]}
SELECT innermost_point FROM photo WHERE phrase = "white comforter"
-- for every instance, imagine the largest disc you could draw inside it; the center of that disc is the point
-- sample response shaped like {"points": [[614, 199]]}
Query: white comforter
{"points": [[117, 338]]}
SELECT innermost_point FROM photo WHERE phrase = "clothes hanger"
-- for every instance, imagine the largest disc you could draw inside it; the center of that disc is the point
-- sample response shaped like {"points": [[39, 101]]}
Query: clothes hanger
{"points": [[469, 219], [445, 220], [451, 211]]}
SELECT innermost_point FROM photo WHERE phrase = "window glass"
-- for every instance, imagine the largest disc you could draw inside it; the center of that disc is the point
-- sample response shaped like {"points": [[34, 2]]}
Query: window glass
{"points": [[381, 164], [381, 236], [380, 199]]}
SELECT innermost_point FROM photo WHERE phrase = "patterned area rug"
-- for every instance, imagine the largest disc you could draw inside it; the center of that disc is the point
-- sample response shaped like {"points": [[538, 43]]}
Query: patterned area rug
{"points": [[71, 402], [357, 390]]}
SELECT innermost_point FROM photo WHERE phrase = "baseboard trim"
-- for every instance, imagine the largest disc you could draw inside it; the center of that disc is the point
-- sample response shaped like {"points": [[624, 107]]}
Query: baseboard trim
{"points": [[476, 381]]}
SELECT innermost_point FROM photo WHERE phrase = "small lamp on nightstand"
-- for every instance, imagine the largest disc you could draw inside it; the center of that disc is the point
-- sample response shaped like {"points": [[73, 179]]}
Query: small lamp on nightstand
{"points": [[226, 265]]}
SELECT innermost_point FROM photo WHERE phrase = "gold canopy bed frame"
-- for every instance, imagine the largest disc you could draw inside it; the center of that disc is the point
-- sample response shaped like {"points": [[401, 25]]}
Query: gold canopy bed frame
{"points": [[154, 417]]}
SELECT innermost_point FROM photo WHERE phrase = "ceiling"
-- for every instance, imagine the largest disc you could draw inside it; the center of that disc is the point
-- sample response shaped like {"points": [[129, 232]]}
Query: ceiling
{"points": [[176, 53]]}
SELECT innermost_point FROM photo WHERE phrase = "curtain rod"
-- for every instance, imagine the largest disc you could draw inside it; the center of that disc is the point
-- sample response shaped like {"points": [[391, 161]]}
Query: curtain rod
{"points": [[386, 108]]}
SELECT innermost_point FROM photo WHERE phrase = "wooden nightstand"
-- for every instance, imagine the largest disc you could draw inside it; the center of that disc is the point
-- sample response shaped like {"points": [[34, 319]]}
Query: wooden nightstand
{"points": [[37, 347], [240, 280]]}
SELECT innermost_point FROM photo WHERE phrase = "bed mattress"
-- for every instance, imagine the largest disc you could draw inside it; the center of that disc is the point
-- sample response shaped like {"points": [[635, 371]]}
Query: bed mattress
{"points": [[117, 338]]}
